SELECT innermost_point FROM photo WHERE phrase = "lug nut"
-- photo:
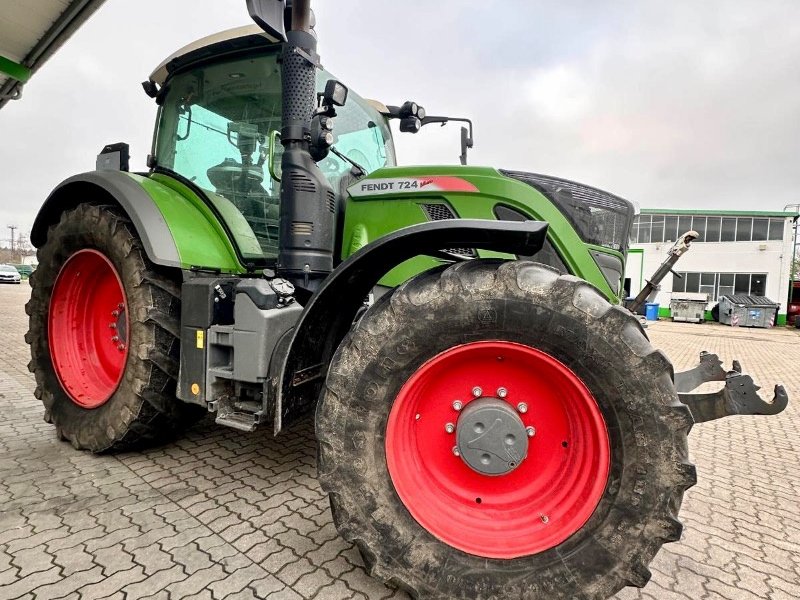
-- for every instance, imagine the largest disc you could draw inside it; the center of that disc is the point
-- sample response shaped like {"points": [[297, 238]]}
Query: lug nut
{"points": [[449, 428], [456, 451], [544, 518], [120, 306], [112, 325], [477, 392], [522, 408], [121, 347], [115, 339], [502, 392], [531, 431], [114, 313], [458, 405]]}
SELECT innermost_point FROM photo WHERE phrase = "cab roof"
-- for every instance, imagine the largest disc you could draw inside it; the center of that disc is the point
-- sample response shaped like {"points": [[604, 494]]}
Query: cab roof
{"points": [[230, 40]]}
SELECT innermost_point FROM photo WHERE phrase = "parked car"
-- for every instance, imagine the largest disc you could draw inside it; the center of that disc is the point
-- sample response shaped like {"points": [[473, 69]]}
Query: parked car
{"points": [[793, 311], [24, 270], [9, 274]]}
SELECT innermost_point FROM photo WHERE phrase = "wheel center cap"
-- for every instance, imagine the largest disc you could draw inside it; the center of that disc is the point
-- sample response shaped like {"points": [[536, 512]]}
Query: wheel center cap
{"points": [[491, 437]]}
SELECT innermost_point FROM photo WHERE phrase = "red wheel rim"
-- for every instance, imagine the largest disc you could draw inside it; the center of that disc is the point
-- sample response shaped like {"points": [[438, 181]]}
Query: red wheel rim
{"points": [[546, 499], [88, 328]]}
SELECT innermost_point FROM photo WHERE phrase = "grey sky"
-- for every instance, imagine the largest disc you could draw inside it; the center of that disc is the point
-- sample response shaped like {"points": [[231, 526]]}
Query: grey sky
{"points": [[670, 104]]}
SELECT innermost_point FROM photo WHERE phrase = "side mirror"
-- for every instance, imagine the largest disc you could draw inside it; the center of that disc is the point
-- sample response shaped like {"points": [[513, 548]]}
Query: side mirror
{"points": [[269, 15], [466, 143]]}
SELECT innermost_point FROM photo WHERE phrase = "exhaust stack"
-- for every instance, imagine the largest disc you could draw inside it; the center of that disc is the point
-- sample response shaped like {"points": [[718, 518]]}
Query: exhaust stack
{"points": [[308, 203]]}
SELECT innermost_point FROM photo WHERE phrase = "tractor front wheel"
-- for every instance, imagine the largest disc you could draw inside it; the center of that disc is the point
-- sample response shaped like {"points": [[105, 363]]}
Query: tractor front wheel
{"points": [[495, 430], [103, 334]]}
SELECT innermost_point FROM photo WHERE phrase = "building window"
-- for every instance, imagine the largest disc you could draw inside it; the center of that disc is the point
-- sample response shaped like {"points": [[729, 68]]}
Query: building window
{"points": [[699, 225], [744, 229], [671, 232], [760, 230], [728, 230], [708, 283], [713, 228], [725, 284], [775, 229], [657, 229], [717, 285], [758, 284], [645, 222]]}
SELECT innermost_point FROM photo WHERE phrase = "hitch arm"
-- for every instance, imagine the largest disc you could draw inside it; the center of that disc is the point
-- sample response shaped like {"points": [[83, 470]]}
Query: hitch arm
{"points": [[709, 369], [738, 397]]}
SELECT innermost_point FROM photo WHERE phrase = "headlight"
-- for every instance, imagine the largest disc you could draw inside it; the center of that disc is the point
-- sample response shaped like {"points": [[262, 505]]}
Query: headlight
{"points": [[611, 266]]}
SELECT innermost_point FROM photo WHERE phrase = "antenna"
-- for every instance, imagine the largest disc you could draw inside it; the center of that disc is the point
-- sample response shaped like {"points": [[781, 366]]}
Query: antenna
{"points": [[13, 228]]}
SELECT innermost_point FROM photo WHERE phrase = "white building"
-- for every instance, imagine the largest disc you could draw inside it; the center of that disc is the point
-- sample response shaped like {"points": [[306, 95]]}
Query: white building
{"points": [[736, 253]]}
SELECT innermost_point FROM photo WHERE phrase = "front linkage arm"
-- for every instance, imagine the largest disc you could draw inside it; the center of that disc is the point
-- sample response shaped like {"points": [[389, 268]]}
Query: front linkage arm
{"points": [[739, 395]]}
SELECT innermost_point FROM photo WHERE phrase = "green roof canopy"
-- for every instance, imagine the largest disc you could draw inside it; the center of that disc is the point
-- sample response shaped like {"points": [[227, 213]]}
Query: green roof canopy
{"points": [[31, 32], [716, 213]]}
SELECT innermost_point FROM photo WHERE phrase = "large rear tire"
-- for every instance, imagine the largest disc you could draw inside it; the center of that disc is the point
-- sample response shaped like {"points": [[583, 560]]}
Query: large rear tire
{"points": [[103, 332], [599, 486]]}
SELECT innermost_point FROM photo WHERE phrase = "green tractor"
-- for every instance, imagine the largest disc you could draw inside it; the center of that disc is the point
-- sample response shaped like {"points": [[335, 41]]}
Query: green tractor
{"points": [[491, 422]]}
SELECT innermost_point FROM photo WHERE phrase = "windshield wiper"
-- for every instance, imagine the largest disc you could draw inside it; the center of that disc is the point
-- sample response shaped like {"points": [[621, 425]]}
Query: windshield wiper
{"points": [[358, 170]]}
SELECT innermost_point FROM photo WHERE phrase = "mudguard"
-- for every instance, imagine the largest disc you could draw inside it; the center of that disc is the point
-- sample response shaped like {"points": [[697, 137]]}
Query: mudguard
{"points": [[176, 227], [330, 312]]}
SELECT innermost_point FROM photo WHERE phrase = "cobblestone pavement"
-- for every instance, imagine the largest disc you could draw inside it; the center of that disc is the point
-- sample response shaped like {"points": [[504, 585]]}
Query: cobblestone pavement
{"points": [[222, 514]]}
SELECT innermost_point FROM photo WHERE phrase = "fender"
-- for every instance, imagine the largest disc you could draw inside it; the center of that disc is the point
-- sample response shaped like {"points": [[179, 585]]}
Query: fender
{"points": [[176, 229], [330, 312]]}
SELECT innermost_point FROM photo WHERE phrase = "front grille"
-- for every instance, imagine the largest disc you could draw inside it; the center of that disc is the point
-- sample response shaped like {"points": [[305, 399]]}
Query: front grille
{"points": [[438, 212], [442, 212], [599, 218]]}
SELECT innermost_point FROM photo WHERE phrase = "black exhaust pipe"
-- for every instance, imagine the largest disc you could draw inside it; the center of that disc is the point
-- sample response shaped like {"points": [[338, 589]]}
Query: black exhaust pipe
{"points": [[308, 203]]}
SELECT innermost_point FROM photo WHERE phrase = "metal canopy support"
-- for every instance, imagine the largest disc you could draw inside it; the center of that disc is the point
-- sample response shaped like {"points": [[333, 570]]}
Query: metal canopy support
{"points": [[14, 70], [76, 13]]}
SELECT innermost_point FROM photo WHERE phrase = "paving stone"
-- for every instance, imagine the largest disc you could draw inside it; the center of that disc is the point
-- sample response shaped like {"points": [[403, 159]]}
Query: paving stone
{"points": [[222, 514], [69, 585]]}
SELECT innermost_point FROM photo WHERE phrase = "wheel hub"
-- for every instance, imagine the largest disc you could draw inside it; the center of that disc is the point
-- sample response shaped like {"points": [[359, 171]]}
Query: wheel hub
{"points": [[491, 438], [88, 328], [438, 461]]}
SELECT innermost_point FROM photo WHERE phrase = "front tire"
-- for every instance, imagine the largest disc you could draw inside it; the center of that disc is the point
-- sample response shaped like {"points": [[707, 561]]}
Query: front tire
{"points": [[596, 495], [103, 333]]}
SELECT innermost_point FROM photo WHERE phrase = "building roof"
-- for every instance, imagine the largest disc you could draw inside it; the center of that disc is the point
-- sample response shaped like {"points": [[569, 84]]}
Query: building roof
{"points": [[31, 32], [716, 213]]}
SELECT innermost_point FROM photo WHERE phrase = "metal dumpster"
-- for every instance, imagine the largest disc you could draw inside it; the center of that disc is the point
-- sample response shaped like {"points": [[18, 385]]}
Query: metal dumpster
{"points": [[688, 307], [741, 310]]}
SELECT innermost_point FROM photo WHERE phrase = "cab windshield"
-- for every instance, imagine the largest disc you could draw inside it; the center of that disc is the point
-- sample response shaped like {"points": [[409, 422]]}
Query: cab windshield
{"points": [[215, 129]]}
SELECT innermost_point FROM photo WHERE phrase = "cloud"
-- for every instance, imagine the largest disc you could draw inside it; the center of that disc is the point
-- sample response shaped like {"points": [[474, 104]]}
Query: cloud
{"points": [[682, 104]]}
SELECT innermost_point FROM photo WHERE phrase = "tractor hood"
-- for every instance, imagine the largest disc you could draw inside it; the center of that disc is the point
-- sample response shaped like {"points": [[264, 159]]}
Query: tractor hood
{"points": [[600, 218]]}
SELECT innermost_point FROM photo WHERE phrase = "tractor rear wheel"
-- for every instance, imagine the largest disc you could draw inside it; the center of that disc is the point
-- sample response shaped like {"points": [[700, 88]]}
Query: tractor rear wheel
{"points": [[103, 333], [495, 430]]}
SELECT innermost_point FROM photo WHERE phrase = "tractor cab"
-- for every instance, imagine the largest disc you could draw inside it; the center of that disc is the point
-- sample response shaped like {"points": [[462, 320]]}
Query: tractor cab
{"points": [[219, 122]]}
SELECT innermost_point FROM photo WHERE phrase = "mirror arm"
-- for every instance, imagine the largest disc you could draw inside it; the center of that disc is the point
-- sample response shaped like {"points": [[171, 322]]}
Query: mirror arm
{"points": [[467, 140]]}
